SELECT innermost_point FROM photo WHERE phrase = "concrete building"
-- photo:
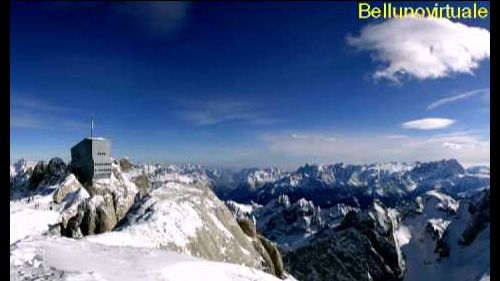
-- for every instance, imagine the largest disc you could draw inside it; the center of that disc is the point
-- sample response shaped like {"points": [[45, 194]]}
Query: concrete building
{"points": [[91, 159]]}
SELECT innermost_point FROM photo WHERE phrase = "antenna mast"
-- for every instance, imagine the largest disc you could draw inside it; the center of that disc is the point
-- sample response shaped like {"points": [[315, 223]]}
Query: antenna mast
{"points": [[92, 127]]}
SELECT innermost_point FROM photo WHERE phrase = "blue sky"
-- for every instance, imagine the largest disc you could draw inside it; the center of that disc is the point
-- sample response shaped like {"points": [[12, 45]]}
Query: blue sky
{"points": [[247, 84]]}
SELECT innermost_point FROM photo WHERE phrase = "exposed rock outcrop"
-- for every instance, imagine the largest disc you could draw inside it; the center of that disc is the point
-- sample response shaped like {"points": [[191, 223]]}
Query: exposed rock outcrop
{"points": [[70, 184], [97, 208], [274, 254], [125, 165], [142, 183], [266, 248], [190, 219], [248, 227]]}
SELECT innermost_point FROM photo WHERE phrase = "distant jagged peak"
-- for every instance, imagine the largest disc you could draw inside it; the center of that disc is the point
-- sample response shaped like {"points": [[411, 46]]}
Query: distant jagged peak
{"points": [[448, 166], [310, 169]]}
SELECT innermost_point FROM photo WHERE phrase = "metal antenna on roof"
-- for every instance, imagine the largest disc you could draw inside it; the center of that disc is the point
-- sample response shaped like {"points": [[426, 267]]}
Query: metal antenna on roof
{"points": [[92, 127]]}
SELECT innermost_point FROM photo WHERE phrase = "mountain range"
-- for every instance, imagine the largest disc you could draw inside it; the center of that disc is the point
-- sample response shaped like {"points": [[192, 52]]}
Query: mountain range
{"points": [[384, 221]]}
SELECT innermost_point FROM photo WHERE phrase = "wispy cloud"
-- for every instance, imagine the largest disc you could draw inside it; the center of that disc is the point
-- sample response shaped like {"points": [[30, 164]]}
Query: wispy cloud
{"points": [[214, 112], [423, 48], [41, 121], [313, 137], [428, 124], [28, 112], [35, 104], [485, 92], [24, 122]]}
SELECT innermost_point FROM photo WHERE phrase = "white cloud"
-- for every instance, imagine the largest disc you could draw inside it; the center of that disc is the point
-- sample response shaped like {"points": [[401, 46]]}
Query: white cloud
{"points": [[438, 103], [423, 48], [428, 123]]}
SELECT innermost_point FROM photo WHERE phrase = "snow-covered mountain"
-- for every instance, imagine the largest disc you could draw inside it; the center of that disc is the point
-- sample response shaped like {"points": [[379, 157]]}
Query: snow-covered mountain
{"points": [[435, 237], [327, 185], [391, 182], [291, 225], [132, 210], [226, 183], [187, 219], [439, 198], [450, 239], [386, 221], [365, 246]]}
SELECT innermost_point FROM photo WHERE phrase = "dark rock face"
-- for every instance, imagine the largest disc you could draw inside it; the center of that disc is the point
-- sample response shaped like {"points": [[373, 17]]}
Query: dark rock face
{"points": [[480, 218], [266, 248], [442, 247], [57, 167], [247, 226], [39, 172], [49, 174], [346, 255], [274, 254], [363, 247]]}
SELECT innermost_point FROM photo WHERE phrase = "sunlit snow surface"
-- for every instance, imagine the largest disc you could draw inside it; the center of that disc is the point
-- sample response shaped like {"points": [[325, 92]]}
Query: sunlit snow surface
{"points": [[31, 216], [131, 254], [85, 260]]}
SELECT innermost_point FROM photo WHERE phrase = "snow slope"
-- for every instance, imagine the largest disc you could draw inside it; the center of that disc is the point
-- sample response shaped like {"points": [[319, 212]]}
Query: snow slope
{"points": [[187, 219], [173, 217], [32, 215], [69, 259], [466, 263]]}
